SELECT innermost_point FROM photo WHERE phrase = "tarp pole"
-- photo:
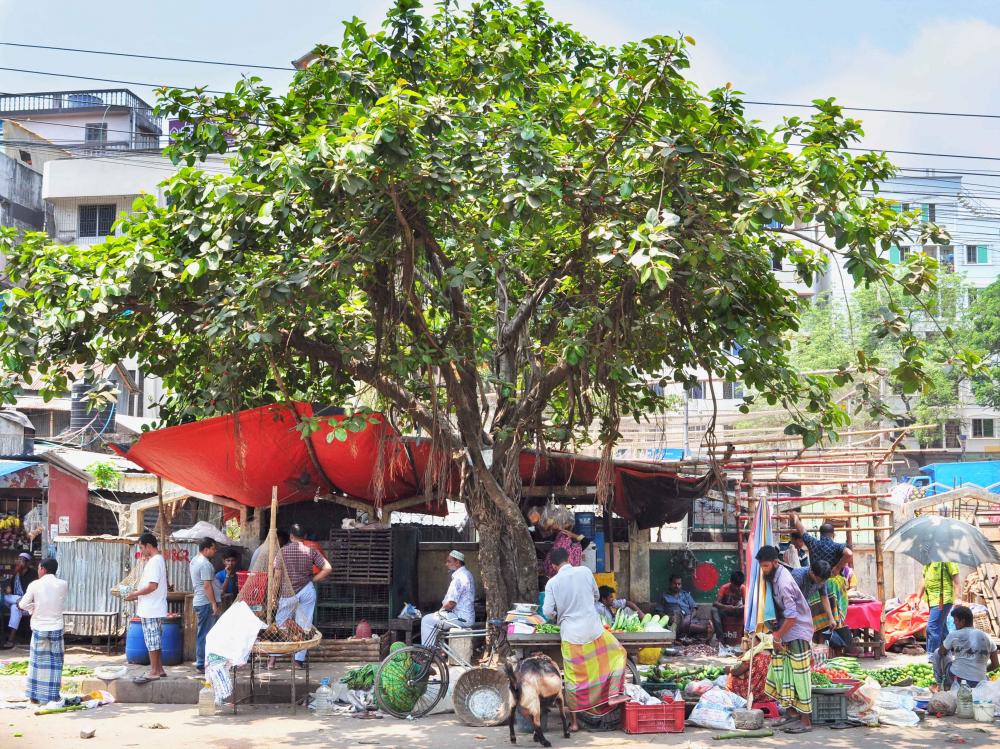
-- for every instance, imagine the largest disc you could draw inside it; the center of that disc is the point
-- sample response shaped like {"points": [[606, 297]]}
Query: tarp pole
{"points": [[272, 543], [879, 561]]}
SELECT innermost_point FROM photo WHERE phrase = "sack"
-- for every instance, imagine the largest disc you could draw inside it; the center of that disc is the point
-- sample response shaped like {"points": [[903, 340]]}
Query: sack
{"points": [[715, 709], [867, 693], [898, 717], [698, 688], [943, 703]]}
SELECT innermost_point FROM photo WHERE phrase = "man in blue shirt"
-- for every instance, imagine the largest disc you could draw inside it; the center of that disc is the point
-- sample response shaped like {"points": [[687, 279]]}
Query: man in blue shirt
{"points": [[227, 581], [825, 548], [680, 606]]}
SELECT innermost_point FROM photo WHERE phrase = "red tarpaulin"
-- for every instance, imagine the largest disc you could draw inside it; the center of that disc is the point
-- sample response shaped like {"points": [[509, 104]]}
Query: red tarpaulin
{"points": [[243, 456]]}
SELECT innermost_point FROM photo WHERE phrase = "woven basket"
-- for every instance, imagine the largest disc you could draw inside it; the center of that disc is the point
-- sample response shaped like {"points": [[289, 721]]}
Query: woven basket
{"points": [[482, 697], [266, 647]]}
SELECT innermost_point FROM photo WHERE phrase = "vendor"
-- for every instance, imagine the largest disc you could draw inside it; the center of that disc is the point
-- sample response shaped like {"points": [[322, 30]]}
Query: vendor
{"points": [[825, 548], [680, 606], [227, 579], [789, 675], [458, 609], [937, 587], [748, 676], [813, 582], [966, 654], [729, 603], [15, 587], [796, 555], [608, 606]]}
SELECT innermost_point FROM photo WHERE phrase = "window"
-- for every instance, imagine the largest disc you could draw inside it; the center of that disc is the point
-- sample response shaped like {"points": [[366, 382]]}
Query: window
{"points": [[25, 156], [898, 254], [699, 392], [977, 254], [983, 428], [96, 132], [732, 390], [775, 261], [928, 212], [96, 220]]}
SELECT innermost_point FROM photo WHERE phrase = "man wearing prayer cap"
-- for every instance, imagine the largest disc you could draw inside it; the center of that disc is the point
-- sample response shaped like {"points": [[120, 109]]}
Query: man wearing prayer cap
{"points": [[458, 607]]}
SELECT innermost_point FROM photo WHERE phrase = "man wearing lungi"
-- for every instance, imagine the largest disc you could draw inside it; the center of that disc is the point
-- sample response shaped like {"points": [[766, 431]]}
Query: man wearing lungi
{"points": [[45, 600], [789, 677], [593, 660]]}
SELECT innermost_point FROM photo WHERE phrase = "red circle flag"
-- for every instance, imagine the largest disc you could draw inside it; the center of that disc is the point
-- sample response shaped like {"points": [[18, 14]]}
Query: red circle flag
{"points": [[706, 576]]}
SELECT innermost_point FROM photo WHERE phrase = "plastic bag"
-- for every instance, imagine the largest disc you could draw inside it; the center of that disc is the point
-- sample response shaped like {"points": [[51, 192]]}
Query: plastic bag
{"points": [[943, 703], [698, 688], [715, 709], [897, 717], [988, 691], [895, 698], [409, 612], [640, 695], [867, 693]]}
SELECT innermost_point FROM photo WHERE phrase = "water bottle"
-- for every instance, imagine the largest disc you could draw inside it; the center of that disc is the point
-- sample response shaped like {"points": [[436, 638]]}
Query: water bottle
{"points": [[323, 699], [965, 709], [206, 700]]}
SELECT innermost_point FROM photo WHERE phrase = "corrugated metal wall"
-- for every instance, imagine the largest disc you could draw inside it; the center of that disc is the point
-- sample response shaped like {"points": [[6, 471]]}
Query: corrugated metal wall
{"points": [[92, 566]]}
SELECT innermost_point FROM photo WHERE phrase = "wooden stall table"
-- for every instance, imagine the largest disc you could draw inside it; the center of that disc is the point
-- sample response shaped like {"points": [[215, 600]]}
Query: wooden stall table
{"points": [[864, 619], [633, 642]]}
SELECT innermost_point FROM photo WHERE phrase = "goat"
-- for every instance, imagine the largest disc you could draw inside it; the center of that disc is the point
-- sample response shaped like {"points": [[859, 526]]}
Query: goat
{"points": [[536, 684]]}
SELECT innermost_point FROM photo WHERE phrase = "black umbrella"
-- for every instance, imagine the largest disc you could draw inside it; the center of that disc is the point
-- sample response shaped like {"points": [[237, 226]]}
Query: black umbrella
{"points": [[932, 538]]}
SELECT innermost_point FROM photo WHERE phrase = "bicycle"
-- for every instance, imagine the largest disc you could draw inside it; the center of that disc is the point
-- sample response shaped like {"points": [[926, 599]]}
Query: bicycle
{"points": [[412, 680]]}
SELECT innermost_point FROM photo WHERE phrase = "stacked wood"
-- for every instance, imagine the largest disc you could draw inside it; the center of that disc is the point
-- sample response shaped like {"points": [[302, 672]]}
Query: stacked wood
{"points": [[351, 650]]}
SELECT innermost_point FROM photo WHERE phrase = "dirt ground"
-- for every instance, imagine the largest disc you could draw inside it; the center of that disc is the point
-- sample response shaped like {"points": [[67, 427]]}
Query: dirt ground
{"points": [[129, 725], [273, 726]]}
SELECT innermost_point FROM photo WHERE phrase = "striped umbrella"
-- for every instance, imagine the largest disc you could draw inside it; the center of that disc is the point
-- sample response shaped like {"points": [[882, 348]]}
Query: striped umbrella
{"points": [[759, 604]]}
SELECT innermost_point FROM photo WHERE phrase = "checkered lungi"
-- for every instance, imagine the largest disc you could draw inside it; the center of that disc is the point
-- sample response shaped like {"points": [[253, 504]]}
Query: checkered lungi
{"points": [[152, 633], [45, 664], [593, 673], [789, 678]]}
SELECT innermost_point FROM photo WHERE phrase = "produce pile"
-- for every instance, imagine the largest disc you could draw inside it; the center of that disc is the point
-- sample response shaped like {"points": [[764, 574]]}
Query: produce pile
{"points": [[547, 629], [393, 682], [821, 680], [922, 674], [12, 536], [362, 677], [20, 668], [682, 677]]}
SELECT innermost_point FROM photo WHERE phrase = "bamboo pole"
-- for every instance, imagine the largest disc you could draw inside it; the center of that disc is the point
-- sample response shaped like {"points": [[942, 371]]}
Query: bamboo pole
{"points": [[777, 438], [831, 516], [815, 482], [879, 561], [272, 543]]}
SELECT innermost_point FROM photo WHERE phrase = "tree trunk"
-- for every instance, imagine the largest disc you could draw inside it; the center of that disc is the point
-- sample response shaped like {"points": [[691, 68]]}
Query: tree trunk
{"points": [[508, 568]]}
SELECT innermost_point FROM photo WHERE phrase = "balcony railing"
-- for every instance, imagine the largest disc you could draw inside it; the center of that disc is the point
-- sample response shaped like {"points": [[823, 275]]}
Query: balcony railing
{"points": [[52, 102]]}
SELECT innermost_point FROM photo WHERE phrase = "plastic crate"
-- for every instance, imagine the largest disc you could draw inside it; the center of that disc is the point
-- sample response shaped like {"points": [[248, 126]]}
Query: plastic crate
{"points": [[829, 708], [665, 718]]}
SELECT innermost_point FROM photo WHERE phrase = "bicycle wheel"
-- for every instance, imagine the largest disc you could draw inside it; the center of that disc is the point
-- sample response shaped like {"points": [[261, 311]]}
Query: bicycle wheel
{"points": [[411, 681]]}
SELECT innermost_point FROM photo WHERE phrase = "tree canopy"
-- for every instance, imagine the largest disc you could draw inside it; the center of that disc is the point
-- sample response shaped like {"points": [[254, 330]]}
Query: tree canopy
{"points": [[499, 228]]}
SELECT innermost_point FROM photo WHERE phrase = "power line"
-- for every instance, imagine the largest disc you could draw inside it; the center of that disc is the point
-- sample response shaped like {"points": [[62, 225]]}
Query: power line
{"points": [[286, 69], [878, 109], [106, 80]]}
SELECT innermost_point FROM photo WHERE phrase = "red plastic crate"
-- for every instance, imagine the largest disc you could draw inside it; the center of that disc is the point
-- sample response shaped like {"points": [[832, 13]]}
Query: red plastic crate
{"points": [[665, 718]]}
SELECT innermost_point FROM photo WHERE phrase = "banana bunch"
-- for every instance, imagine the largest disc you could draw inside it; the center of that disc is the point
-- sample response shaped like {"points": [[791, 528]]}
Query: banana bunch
{"points": [[11, 521]]}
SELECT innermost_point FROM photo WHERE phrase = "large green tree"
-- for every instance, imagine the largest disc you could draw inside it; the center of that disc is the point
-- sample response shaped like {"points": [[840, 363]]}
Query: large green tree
{"points": [[983, 333], [497, 227]]}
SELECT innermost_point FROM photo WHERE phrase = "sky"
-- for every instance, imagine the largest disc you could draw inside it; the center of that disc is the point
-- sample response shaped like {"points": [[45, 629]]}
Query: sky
{"points": [[883, 53]]}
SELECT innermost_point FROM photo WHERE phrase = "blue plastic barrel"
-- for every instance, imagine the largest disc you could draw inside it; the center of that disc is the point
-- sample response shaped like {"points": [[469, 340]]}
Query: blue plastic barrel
{"points": [[586, 524], [135, 645], [173, 641]]}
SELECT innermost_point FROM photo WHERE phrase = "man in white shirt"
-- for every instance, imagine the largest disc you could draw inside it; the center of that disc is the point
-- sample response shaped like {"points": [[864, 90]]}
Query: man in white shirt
{"points": [[151, 606], [458, 609], [45, 600], [593, 660]]}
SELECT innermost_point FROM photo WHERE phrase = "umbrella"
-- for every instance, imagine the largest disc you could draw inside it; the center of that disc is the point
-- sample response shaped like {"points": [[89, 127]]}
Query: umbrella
{"points": [[759, 606], [932, 538]]}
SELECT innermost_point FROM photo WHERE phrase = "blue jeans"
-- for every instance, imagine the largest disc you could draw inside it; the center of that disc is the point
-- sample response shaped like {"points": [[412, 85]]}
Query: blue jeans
{"points": [[205, 622], [937, 627]]}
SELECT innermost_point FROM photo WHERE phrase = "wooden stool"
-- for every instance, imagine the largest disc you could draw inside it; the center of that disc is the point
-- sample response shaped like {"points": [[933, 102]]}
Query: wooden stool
{"points": [[404, 627], [870, 642]]}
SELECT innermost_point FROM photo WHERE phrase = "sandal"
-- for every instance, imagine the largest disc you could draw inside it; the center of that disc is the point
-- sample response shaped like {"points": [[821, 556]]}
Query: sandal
{"points": [[785, 721], [797, 729], [145, 679]]}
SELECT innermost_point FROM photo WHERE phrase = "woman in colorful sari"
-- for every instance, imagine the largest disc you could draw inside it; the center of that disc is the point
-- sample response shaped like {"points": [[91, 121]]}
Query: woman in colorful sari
{"points": [[749, 676]]}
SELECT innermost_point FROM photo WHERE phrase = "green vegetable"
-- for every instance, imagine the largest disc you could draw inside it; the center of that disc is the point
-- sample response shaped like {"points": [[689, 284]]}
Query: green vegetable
{"points": [[821, 680], [760, 733], [20, 668], [547, 629], [647, 619], [362, 677]]}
